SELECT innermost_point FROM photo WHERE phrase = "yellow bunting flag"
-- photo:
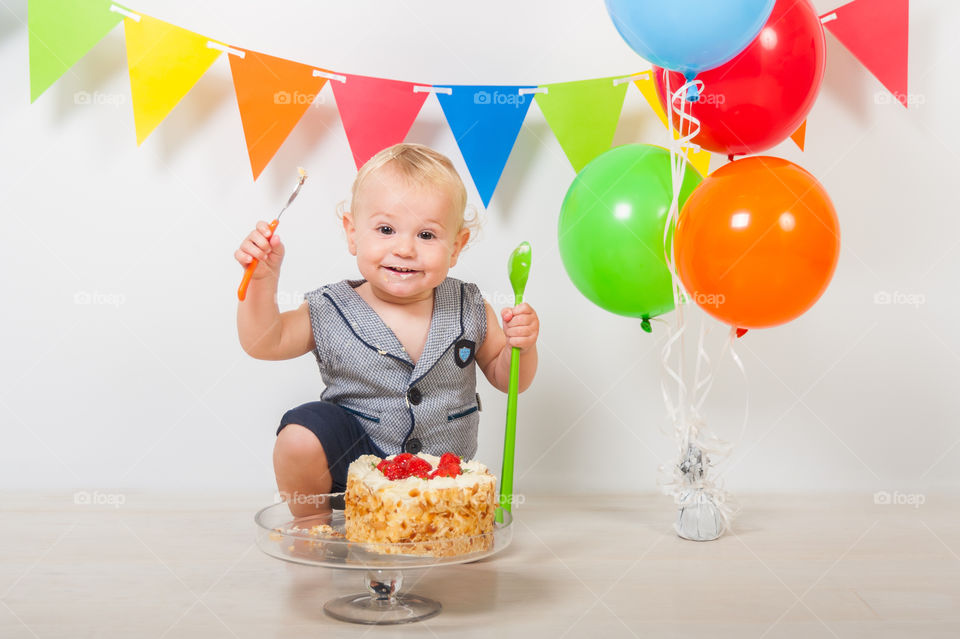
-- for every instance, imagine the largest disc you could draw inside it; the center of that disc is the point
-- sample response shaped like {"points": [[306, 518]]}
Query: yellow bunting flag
{"points": [[649, 91], [800, 135], [165, 62], [699, 159]]}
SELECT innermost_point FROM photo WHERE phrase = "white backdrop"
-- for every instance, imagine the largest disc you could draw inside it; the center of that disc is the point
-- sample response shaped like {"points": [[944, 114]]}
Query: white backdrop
{"points": [[121, 367]]}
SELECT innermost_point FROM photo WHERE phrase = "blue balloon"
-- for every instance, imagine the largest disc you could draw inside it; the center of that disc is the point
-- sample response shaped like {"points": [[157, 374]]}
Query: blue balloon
{"points": [[689, 36]]}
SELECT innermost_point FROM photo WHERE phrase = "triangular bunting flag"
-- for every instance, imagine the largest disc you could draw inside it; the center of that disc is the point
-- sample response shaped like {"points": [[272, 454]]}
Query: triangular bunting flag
{"points": [[61, 32], [699, 159], [376, 113], [800, 135], [273, 94], [649, 91], [877, 33], [485, 120], [165, 62], [583, 116]]}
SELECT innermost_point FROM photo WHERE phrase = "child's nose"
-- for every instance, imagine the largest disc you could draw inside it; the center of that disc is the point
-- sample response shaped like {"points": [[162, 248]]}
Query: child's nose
{"points": [[403, 246]]}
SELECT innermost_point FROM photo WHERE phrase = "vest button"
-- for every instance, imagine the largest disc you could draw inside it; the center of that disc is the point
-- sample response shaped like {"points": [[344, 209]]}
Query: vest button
{"points": [[414, 396], [413, 446]]}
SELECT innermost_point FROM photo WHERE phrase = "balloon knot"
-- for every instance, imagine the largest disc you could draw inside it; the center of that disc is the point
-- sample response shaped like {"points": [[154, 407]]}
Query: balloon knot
{"points": [[645, 325], [741, 332]]}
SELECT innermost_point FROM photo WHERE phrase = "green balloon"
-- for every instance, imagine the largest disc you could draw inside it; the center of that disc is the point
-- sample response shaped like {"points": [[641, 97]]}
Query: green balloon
{"points": [[611, 230]]}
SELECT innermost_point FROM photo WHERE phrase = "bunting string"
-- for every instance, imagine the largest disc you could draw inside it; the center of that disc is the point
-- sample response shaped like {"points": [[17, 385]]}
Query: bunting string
{"points": [[165, 61]]}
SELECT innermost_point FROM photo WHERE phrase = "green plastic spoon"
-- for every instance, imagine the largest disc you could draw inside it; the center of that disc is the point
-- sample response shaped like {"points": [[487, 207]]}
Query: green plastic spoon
{"points": [[518, 268]]}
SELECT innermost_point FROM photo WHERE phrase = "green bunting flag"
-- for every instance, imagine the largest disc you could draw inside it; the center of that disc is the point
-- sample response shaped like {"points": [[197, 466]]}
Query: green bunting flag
{"points": [[583, 116], [61, 32]]}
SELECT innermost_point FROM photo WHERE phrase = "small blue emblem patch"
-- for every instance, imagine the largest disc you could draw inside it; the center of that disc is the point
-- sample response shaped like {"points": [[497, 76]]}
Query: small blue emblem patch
{"points": [[463, 352]]}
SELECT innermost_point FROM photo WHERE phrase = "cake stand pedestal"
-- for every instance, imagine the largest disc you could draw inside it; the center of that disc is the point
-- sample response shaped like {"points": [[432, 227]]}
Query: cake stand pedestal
{"points": [[384, 603], [281, 535]]}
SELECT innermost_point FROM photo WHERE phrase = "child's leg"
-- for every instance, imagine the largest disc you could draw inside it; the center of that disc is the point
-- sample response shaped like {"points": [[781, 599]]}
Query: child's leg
{"points": [[315, 444], [300, 465]]}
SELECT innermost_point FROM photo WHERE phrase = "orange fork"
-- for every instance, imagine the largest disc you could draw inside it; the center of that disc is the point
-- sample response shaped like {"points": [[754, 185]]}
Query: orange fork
{"points": [[252, 266]]}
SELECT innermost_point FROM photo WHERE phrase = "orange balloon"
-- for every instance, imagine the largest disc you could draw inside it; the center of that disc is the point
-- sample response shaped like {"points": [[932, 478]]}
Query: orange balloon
{"points": [[757, 242]]}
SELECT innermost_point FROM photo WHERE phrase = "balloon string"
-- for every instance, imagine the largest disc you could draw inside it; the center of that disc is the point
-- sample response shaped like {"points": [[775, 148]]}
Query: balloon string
{"points": [[677, 412], [713, 450], [688, 425], [702, 387], [679, 141], [731, 340], [678, 165]]}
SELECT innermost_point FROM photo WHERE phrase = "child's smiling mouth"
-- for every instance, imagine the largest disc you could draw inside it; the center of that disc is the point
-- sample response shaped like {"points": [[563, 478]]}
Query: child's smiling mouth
{"points": [[401, 270]]}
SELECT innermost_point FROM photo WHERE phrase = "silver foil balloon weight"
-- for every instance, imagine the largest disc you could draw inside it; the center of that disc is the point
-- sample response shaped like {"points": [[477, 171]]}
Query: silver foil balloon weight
{"points": [[699, 517]]}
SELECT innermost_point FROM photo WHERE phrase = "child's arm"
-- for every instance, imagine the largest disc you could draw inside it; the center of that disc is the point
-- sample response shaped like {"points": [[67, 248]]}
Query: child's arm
{"points": [[521, 326], [264, 332]]}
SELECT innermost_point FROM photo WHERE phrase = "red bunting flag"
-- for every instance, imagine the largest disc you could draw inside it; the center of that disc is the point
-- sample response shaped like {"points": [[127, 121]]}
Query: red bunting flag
{"points": [[877, 33], [273, 94], [376, 113]]}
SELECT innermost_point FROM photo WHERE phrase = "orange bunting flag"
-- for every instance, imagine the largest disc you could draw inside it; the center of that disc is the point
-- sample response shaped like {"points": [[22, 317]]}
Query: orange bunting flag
{"points": [[272, 94], [165, 62], [376, 113], [877, 32], [800, 135]]}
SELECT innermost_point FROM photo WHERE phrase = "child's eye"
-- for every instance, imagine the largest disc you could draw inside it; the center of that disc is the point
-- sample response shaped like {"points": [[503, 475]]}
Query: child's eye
{"points": [[426, 235], [384, 230]]}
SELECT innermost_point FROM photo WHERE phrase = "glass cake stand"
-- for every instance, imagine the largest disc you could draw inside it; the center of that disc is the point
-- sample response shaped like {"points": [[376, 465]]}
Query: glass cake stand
{"points": [[281, 535]]}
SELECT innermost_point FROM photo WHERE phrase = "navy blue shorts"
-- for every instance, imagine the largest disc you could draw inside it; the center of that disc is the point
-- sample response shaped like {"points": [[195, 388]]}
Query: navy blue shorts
{"points": [[341, 435]]}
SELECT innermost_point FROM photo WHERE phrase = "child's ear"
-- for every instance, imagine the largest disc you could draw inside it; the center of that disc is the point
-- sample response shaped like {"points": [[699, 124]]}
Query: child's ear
{"points": [[350, 230], [462, 238]]}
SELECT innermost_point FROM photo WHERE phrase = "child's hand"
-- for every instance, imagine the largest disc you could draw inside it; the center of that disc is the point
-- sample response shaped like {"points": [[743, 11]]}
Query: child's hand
{"points": [[264, 246], [521, 326]]}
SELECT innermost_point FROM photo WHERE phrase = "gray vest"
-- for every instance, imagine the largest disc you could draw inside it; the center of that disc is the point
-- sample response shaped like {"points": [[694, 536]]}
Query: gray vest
{"points": [[432, 405]]}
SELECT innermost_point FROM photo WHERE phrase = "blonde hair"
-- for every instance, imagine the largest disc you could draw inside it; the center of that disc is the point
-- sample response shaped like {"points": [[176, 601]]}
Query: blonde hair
{"points": [[418, 164]]}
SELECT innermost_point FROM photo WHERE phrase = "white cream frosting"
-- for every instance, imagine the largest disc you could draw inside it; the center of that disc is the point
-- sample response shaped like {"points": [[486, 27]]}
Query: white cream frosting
{"points": [[364, 468]]}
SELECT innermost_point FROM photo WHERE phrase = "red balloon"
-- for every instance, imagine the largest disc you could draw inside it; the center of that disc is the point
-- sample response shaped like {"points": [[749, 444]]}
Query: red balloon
{"points": [[757, 242], [759, 98]]}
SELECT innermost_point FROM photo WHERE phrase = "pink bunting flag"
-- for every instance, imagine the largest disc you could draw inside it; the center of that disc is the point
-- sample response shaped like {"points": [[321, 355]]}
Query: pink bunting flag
{"points": [[877, 33], [376, 113]]}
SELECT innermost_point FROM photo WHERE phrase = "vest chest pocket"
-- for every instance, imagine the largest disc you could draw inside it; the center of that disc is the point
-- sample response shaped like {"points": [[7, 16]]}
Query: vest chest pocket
{"points": [[463, 411], [367, 415]]}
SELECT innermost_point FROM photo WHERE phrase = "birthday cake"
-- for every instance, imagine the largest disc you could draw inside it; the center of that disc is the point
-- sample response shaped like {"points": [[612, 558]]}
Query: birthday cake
{"points": [[420, 504]]}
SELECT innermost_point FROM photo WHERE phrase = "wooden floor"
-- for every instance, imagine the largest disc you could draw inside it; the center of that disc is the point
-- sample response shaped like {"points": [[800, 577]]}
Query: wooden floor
{"points": [[794, 566]]}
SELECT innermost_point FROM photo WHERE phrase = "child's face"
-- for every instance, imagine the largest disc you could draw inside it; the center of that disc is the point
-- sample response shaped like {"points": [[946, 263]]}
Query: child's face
{"points": [[405, 236]]}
